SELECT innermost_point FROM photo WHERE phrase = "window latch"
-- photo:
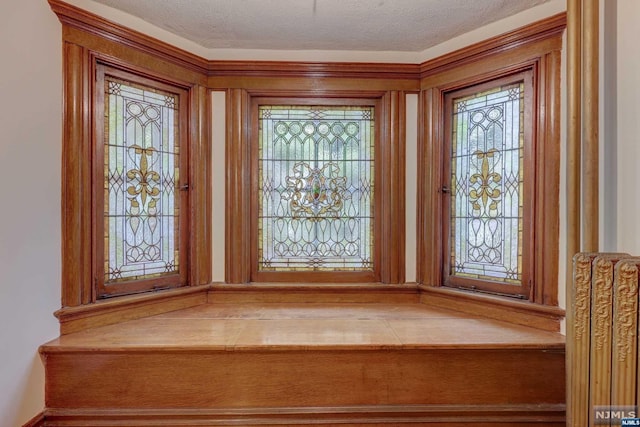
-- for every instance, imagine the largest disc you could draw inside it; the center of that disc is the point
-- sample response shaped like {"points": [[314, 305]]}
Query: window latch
{"points": [[184, 187], [445, 189]]}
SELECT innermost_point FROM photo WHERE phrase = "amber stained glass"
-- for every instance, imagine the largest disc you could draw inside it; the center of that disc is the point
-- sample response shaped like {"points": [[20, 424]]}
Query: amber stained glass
{"points": [[141, 202], [316, 181], [487, 185]]}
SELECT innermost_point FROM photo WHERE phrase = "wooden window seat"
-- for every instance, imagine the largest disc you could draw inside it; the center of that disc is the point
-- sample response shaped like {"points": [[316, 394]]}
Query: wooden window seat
{"points": [[387, 361]]}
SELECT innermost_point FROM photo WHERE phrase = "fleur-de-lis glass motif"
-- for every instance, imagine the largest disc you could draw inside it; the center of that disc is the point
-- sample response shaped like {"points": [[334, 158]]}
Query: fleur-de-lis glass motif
{"points": [[486, 185], [485, 194], [141, 153], [144, 182]]}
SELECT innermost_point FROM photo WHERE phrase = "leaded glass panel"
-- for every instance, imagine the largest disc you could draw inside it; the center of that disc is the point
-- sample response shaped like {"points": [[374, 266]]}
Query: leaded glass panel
{"points": [[487, 185], [316, 181], [141, 164]]}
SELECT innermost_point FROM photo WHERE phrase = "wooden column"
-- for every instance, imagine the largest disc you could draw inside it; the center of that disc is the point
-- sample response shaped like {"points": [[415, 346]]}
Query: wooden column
{"points": [[590, 161], [392, 160], [574, 116], [237, 232], [200, 257], [429, 185], [76, 178], [574, 125], [582, 179]]}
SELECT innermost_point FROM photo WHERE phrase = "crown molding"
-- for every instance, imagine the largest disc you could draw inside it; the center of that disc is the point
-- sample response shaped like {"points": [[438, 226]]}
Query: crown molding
{"points": [[78, 18], [536, 31], [91, 23]]}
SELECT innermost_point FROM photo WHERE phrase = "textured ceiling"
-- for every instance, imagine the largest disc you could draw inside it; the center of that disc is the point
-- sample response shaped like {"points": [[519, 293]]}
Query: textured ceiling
{"points": [[366, 25]]}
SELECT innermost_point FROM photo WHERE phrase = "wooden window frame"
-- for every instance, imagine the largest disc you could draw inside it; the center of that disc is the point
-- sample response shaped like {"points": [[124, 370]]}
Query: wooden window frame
{"points": [[528, 190], [129, 287], [241, 218], [88, 38], [539, 56], [83, 54], [314, 276]]}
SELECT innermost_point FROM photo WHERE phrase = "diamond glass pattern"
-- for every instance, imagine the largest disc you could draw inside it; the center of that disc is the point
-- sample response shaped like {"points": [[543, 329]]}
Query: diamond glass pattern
{"points": [[141, 158], [315, 188], [487, 185]]}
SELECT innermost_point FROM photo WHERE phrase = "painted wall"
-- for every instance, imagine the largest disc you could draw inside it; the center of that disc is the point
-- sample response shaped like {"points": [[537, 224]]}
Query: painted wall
{"points": [[30, 128], [627, 125]]}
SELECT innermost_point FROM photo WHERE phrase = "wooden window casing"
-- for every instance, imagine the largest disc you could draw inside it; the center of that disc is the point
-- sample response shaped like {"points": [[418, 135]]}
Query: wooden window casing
{"points": [[89, 39], [241, 194], [537, 62], [85, 50]]}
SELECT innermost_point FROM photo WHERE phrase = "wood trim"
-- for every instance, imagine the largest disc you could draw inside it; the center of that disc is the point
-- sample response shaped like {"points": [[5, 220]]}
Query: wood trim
{"points": [[76, 17], [90, 23], [574, 120], [430, 160], [200, 186], [540, 30], [547, 236], [540, 55], [391, 162], [76, 178], [590, 125], [321, 86], [37, 421], [238, 184], [494, 307], [89, 37], [578, 340], [116, 310], [299, 376], [511, 415], [360, 70], [313, 293], [575, 412]]}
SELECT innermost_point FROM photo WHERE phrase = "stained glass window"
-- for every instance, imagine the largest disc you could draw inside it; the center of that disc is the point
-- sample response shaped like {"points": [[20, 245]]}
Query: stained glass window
{"points": [[487, 185], [316, 181], [141, 165]]}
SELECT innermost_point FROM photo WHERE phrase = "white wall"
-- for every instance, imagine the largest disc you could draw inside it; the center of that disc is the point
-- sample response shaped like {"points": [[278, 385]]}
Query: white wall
{"points": [[627, 169], [30, 147]]}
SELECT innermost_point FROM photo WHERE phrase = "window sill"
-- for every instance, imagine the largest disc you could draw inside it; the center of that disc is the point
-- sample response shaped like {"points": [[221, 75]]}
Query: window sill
{"points": [[495, 307], [121, 309], [313, 293]]}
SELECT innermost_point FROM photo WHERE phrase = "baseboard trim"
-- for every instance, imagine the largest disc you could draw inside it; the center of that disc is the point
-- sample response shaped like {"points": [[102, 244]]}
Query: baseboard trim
{"points": [[37, 421], [442, 415]]}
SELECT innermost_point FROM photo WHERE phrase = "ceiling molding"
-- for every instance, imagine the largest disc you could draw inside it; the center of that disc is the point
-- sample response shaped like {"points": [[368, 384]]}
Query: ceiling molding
{"points": [[314, 69], [539, 30], [89, 22]]}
